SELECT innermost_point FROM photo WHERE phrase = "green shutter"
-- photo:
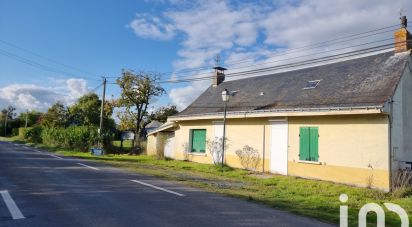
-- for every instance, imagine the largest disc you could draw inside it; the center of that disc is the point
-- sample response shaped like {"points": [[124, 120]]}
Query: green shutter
{"points": [[313, 143], [304, 144], [199, 140]]}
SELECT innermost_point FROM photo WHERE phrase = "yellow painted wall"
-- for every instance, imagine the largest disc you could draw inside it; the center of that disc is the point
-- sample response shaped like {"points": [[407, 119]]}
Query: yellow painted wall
{"points": [[239, 132], [151, 144], [353, 149]]}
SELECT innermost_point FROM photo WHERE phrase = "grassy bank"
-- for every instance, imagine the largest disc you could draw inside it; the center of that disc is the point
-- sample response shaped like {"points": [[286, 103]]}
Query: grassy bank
{"points": [[311, 198]]}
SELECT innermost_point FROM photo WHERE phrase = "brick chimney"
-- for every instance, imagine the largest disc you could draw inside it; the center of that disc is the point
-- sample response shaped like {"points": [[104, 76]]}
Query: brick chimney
{"points": [[218, 76], [403, 39]]}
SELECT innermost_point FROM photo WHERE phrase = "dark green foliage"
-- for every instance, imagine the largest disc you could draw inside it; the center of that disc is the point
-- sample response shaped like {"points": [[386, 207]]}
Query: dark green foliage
{"points": [[162, 113], [86, 111], [56, 116], [31, 134], [33, 117], [76, 137]]}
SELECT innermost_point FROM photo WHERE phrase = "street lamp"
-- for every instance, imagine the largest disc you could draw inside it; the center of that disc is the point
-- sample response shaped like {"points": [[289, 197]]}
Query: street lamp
{"points": [[225, 99]]}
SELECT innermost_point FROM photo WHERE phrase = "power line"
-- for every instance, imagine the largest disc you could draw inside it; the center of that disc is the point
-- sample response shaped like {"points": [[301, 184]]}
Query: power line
{"points": [[97, 87], [289, 65], [38, 65], [285, 59], [43, 57], [313, 46]]}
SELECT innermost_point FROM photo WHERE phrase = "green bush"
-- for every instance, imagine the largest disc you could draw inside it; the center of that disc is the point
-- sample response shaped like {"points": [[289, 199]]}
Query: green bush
{"points": [[31, 134], [21, 133], [14, 131], [77, 137]]}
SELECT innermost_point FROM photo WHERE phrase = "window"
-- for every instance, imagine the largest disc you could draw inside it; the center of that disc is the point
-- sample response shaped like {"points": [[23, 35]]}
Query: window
{"points": [[311, 84], [308, 146], [198, 140]]}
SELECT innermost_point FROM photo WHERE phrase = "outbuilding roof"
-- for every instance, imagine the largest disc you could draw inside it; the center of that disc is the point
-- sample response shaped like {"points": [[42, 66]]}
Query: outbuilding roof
{"points": [[366, 81]]}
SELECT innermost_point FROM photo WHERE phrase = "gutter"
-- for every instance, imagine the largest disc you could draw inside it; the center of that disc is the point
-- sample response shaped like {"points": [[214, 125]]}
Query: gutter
{"points": [[285, 112]]}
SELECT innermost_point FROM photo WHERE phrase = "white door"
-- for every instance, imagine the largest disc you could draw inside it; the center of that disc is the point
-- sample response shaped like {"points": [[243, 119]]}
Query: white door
{"points": [[279, 147], [169, 144]]}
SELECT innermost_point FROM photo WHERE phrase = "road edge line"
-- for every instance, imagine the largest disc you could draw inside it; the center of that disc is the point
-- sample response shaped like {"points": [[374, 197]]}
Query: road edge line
{"points": [[157, 187], [11, 205]]}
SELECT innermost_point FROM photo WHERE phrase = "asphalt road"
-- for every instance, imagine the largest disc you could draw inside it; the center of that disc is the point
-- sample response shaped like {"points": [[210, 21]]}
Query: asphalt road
{"points": [[41, 189]]}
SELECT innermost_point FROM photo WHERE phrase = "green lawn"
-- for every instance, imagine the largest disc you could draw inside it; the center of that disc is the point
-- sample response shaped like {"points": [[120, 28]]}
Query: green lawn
{"points": [[126, 143], [311, 198]]}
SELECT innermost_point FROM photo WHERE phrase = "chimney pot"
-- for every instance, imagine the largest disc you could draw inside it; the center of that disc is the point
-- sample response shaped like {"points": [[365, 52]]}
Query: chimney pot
{"points": [[218, 76], [404, 22], [403, 39]]}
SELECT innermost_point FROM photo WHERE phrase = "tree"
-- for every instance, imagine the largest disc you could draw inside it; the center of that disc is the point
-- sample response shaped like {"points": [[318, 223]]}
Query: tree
{"points": [[56, 116], [86, 111], [137, 91], [33, 117], [162, 113], [7, 115]]}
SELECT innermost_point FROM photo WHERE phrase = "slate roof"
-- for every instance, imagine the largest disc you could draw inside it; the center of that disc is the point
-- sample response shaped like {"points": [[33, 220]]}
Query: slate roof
{"points": [[366, 81]]}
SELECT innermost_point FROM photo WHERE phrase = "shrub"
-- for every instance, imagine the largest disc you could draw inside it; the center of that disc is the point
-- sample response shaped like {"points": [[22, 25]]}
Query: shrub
{"points": [[403, 184], [77, 137], [249, 157], [31, 134], [215, 149], [14, 131]]}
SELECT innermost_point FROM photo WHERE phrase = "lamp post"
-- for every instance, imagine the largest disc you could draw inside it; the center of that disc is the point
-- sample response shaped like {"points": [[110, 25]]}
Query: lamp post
{"points": [[225, 99]]}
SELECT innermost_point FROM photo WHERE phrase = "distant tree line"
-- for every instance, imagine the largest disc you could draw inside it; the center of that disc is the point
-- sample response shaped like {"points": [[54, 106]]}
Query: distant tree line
{"points": [[59, 122]]}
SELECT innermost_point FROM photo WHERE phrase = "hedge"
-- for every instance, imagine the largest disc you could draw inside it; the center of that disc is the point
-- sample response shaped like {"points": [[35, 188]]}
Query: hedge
{"points": [[77, 137]]}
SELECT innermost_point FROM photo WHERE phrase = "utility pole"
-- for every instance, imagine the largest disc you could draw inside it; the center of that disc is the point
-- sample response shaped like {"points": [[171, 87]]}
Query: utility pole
{"points": [[102, 106], [27, 113], [5, 123]]}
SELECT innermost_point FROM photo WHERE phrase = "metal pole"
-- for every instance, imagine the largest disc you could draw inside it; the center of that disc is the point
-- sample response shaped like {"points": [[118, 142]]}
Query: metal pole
{"points": [[224, 136], [5, 123], [27, 113], [102, 106]]}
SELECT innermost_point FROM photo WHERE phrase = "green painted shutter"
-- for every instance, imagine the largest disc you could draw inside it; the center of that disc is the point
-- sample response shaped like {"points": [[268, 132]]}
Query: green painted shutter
{"points": [[199, 140], [304, 144], [313, 143]]}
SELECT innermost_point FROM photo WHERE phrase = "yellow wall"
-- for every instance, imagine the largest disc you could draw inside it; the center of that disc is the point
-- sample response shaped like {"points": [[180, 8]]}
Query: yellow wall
{"points": [[151, 144], [359, 143], [353, 149], [239, 132]]}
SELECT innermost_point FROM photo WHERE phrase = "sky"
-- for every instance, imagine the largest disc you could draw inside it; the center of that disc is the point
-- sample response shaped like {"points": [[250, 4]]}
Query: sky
{"points": [[57, 50]]}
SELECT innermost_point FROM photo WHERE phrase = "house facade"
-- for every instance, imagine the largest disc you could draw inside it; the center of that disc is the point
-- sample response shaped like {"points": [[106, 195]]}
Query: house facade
{"points": [[347, 122]]}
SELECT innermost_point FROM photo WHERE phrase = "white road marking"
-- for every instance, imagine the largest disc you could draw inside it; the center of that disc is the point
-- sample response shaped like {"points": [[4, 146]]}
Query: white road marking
{"points": [[11, 205], [38, 151], [54, 156], [158, 188], [91, 167]]}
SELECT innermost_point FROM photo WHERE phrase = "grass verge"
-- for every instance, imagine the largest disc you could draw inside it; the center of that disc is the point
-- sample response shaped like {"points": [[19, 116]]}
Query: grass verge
{"points": [[317, 199]]}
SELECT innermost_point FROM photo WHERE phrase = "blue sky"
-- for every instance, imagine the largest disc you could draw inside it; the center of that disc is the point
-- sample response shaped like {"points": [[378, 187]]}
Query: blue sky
{"points": [[99, 38], [87, 35]]}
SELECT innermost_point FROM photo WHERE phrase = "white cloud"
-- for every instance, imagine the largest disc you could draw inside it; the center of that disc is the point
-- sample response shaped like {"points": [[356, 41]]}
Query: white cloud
{"points": [[40, 98], [76, 88], [185, 95], [148, 26], [261, 31]]}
